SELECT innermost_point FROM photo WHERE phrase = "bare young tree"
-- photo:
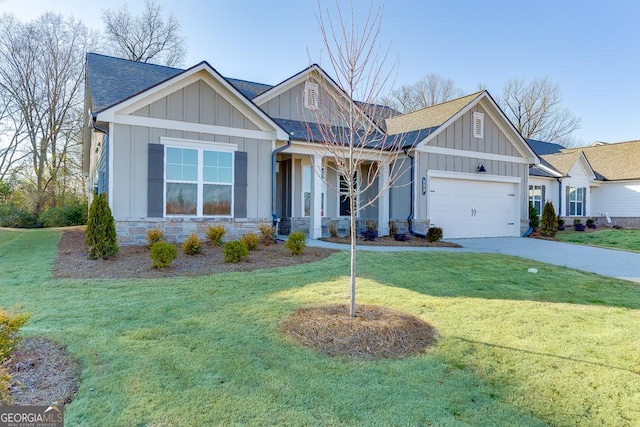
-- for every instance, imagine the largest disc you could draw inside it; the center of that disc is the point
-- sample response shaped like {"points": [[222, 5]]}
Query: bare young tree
{"points": [[351, 142], [536, 109], [432, 89], [41, 78], [146, 38]]}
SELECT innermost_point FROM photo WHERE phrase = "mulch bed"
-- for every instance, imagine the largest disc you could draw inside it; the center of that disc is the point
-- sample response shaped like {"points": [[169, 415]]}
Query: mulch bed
{"points": [[135, 262], [390, 241], [375, 332], [42, 373]]}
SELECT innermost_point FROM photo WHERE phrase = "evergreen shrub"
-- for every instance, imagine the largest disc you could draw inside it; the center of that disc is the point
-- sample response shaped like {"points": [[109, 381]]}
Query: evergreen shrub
{"points": [[235, 251], [162, 254], [434, 234], [215, 233], [296, 243], [100, 238], [191, 245], [549, 221], [251, 241]]}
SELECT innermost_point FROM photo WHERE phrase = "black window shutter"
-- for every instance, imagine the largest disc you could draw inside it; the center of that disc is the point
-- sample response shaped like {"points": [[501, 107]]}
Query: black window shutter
{"points": [[543, 199], [155, 178], [568, 207], [240, 185], [584, 201]]}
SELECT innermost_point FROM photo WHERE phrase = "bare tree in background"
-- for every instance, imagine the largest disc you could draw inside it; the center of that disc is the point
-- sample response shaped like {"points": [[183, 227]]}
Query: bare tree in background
{"points": [[432, 89], [149, 37], [536, 110], [352, 143], [41, 81]]}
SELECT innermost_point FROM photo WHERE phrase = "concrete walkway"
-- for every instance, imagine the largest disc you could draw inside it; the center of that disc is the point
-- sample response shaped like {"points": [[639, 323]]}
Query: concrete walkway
{"points": [[606, 262]]}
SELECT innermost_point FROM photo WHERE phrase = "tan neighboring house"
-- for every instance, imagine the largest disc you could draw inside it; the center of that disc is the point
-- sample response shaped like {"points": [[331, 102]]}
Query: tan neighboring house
{"points": [[601, 181], [181, 149]]}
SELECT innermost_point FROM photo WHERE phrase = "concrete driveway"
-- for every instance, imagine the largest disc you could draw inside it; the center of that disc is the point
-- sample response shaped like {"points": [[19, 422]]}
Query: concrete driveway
{"points": [[606, 262]]}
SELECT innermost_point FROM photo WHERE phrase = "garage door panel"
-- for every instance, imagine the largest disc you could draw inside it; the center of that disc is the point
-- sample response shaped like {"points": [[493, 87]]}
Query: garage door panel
{"points": [[467, 208]]}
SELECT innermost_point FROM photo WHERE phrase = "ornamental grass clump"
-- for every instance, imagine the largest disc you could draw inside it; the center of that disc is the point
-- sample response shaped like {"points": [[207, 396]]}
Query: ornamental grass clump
{"points": [[163, 254], [154, 235], [215, 233], [100, 238], [191, 245], [251, 241], [235, 251], [333, 229], [267, 233], [10, 324], [296, 243]]}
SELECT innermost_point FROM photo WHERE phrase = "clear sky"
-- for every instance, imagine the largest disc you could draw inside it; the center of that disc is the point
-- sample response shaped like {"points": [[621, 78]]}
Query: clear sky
{"points": [[591, 49]]}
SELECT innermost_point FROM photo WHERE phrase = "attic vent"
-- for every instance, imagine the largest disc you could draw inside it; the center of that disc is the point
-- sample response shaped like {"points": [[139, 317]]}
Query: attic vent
{"points": [[478, 125], [311, 96]]}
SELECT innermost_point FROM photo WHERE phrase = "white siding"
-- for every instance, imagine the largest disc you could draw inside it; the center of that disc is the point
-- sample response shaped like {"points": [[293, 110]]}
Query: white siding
{"points": [[618, 199]]}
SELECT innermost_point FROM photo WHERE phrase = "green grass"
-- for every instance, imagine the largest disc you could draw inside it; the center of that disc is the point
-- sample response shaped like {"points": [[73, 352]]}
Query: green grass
{"points": [[628, 240], [558, 347]]}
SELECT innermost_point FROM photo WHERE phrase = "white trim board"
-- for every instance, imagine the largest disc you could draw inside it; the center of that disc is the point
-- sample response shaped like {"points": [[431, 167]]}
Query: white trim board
{"points": [[193, 127], [473, 176], [471, 154]]}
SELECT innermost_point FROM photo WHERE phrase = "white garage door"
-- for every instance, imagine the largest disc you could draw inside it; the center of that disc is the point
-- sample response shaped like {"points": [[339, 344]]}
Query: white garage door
{"points": [[469, 208]]}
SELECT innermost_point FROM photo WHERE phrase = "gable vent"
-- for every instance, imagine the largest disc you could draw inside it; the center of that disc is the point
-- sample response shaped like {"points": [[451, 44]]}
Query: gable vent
{"points": [[311, 96], [478, 125]]}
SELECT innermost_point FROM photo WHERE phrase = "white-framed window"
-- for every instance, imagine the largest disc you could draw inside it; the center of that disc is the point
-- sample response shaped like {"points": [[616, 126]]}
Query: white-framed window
{"points": [[198, 181], [535, 197], [343, 195], [311, 95], [306, 191], [478, 125], [576, 201]]}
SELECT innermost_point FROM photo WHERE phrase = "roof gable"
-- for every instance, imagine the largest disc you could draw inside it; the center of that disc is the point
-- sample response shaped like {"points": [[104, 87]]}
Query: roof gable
{"points": [[614, 162]]}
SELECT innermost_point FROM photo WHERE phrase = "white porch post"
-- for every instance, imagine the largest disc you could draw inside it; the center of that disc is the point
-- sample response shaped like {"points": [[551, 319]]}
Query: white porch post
{"points": [[315, 216], [383, 200]]}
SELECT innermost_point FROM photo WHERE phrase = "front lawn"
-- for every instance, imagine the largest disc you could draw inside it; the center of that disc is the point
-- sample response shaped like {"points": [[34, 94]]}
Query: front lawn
{"points": [[556, 347], [628, 240]]}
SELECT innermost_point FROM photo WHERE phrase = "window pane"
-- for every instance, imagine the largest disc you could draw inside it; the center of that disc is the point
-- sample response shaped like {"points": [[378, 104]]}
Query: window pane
{"points": [[190, 157], [218, 167], [190, 173], [307, 203], [174, 172], [225, 160], [306, 178], [182, 164], [225, 175], [174, 155], [181, 199], [216, 199], [210, 174]]}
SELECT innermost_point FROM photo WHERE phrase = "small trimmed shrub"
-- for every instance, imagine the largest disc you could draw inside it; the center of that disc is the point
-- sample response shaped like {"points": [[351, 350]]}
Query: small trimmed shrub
{"points": [[434, 234], [154, 235], [235, 251], [10, 324], [333, 229], [251, 241], [401, 237], [215, 233], [267, 233], [393, 228], [534, 217], [549, 221], [591, 223], [100, 237], [162, 254], [296, 243], [577, 221], [191, 245], [371, 232]]}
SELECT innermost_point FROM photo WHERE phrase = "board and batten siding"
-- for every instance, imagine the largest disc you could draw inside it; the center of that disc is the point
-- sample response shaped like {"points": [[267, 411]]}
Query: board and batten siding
{"points": [[288, 105], [196, 103], [459, 136]]}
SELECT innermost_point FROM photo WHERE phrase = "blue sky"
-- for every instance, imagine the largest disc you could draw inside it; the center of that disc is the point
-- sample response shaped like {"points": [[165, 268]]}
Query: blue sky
{"points": [[591, 49]]}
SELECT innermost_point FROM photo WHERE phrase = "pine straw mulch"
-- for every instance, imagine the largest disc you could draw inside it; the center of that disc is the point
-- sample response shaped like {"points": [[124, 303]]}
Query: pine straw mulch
{"points": [[390, 241], [135, 262], [42, 373], [375, 332]]}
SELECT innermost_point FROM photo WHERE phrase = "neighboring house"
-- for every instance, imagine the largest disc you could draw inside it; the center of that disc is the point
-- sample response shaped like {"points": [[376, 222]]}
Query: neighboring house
{"points": [[601, 181], [180, 149]]}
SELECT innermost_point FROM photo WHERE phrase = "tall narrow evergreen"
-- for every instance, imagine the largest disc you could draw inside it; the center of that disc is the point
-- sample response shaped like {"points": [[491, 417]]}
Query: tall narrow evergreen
{"points": [[100, 238], [549, 221]]}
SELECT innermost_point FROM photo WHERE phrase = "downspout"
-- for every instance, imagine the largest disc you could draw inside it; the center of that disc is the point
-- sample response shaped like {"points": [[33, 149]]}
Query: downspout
{"points": [[412, 187], [274, 215], [559, 196]]}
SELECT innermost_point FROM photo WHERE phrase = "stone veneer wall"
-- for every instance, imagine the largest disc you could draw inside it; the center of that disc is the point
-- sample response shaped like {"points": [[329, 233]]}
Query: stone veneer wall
{"points": [[624, 222], [134, 232], [288, 225]]}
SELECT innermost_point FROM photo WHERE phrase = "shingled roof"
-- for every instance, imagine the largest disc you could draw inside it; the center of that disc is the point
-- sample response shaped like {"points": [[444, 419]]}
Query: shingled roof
{"points": [[614, 162], [429, 117]]}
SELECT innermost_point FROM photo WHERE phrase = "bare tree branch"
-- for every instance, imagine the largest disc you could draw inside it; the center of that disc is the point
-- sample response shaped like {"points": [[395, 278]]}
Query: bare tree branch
{"points": [[145, 38], [536, 110], [432, 89]]}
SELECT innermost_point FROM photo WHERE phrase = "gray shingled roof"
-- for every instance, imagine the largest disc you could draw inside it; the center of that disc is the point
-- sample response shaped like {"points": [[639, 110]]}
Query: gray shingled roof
{"points": [[112, 80], [542, 148], [304, 131], [249, 89]]}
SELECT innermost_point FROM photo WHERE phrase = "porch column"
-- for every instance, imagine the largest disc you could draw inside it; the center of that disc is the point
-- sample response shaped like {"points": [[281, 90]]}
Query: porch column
{"points": [[315, 216], [383, 200]]}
